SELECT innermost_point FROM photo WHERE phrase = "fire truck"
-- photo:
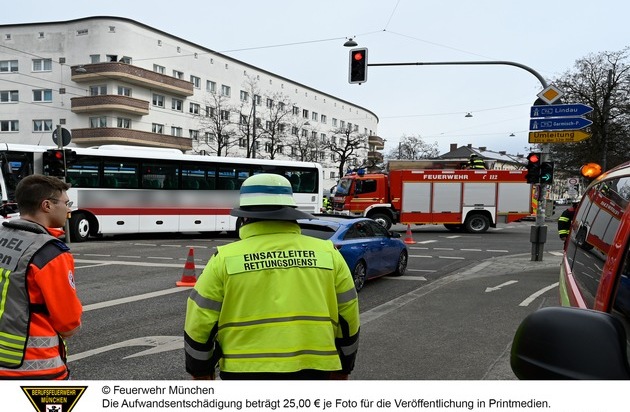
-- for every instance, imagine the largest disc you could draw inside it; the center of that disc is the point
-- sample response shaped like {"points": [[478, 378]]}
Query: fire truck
{"points": [[471, 200]]}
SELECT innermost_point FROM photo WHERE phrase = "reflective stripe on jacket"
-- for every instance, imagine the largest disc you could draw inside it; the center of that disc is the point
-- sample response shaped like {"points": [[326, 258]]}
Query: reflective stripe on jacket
{"points": [[276, 301], [30, 347]]}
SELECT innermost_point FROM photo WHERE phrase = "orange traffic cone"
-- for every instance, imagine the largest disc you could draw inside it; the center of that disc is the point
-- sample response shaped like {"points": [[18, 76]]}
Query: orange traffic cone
{"points": [[189, 278], [409, 239]]}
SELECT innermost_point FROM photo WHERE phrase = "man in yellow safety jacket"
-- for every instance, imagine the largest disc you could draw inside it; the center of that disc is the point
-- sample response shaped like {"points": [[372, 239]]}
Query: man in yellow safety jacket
{"points": [[276, 304]]}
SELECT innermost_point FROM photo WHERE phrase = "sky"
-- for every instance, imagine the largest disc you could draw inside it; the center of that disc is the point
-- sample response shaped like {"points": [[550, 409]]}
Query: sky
{"points": [[303, 41]]}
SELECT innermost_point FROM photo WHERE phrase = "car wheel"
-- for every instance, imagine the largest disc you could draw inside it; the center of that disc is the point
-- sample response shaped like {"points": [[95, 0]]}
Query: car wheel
{"points": [[79, 227], [477, 223], [359, 275], [382, 219], [401, 267]]}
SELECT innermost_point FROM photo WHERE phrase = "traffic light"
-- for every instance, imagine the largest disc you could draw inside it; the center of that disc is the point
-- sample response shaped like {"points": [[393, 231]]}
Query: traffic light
{"points": [[358, 66], [54, 164], [71, 157], [546, 172], [533, 167]]}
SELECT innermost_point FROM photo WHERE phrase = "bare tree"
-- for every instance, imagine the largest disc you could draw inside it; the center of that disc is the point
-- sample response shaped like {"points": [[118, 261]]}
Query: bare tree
{"points": [[275, 122], [345, 145], [601, 81], [302, 146], [413, 148], [217, 125]]}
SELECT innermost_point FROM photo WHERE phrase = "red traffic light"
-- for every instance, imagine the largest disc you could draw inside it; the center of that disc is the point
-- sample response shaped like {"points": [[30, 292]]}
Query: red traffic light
{"points": [[359, 56], [533, 157], [58, 154]]}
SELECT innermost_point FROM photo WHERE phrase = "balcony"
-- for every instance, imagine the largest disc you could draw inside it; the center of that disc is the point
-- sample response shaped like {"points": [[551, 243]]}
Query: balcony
{"points": [[123, 104], [114, 135], [376, 142], [376, 157], [131, 74]]}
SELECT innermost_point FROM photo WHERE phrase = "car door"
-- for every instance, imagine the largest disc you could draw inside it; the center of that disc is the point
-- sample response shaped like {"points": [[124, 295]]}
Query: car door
{"points": [[386, 249], [362, 243]]}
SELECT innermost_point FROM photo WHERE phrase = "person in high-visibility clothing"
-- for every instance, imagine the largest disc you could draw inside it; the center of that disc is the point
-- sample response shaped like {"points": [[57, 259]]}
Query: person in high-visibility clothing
{"points": [[476, 162], [276, 304], [564, 221], [39, 306]]}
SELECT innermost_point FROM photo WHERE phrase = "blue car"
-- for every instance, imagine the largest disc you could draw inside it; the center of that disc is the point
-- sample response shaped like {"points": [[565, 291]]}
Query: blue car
{"points": [[368, 248]]}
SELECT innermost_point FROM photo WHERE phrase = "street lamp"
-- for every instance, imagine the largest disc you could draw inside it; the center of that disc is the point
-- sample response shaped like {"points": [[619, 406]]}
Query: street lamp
{"points": [[350, 42], [468, 115]]}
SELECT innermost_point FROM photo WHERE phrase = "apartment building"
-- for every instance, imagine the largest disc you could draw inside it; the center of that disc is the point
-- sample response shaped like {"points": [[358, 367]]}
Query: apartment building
{"points": [[113, 80]]}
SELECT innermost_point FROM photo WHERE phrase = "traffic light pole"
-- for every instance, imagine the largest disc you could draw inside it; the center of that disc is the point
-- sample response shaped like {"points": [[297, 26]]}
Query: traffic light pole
{"points": [[66, 227], [538, 232]]}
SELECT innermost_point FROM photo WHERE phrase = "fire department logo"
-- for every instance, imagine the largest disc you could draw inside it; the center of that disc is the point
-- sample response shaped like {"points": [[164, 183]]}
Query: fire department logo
{"points": [[53, 398]]}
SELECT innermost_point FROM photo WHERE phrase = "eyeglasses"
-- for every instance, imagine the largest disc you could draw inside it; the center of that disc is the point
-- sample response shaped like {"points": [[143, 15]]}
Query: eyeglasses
{"points": [[69, 203]]}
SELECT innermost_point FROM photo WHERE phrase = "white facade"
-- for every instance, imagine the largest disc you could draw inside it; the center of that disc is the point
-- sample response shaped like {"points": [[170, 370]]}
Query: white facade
{"points": [[112, 80]]}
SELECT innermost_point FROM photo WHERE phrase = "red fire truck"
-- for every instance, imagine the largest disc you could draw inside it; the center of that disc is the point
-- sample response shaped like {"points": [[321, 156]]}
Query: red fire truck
{"points": [[471, 200]]}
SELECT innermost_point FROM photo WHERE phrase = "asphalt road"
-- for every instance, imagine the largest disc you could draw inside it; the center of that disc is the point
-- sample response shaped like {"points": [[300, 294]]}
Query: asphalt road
{"points": [[452, 316]]}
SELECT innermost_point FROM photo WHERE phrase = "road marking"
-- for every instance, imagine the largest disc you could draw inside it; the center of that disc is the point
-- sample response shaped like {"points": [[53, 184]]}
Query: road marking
{"points": [[419, 248], [497, 250], [451, 257], [96, 255], [421, 256], [129, 256], [171, 245], [160, 257], [421, 270], [158, 344], [452, 237], [135, 298], [533, 296], [443, 248], [498, 287], [470, 250], [555, 253], [145, 244], [427, 241], [415, 278]]}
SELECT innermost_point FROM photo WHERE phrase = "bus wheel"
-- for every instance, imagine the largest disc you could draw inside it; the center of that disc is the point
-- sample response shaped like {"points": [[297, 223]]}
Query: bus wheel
{"points": [[477, 223], [453, 227], [382, 219], [79, 227]]}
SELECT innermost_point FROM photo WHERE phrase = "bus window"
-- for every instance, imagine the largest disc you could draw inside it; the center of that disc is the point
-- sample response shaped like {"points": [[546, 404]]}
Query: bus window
{"points": [[120, 173], [227, 178], [84, 172], [159, 175]]}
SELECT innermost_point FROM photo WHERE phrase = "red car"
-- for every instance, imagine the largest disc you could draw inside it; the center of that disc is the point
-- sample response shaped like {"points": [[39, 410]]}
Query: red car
{"points": [[587, 337]]}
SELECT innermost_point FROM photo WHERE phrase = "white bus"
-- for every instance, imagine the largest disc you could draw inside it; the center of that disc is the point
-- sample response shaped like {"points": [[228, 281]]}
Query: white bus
{"points": [[130, 189]]}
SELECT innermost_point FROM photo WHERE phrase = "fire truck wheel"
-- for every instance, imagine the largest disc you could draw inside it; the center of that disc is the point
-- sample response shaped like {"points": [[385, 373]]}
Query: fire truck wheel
{"points": [[359, 274], [382, 219], [477, 223]]}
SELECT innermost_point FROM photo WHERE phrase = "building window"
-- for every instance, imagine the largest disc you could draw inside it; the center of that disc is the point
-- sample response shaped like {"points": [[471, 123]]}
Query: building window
{"points": [[176, 131], [9, 96], [111, 57], [296, 110], [211, 86], [304, 133], [98, 90], [177, 104], [334, 122], [323, 118], [157, 128], [194, 108], [97, 122], [294, 131], [158, 100], [242, 119], [244, 96], [242, 142], [257, 100], [270, 103], [343, 125], [332, 175], [196, 81], [9, 126], [314, 135], [42, 95], [43, 125], [124, 91], [124, 123], [194, 134], [323, 137], [305, 113], [267, 147], [211, 111], [8, 66], [125, 59], [314, 116], [82, 32], [225, 90], [225, 115], [95, 58], [42, 65], [177, 74], [159, 69]]}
